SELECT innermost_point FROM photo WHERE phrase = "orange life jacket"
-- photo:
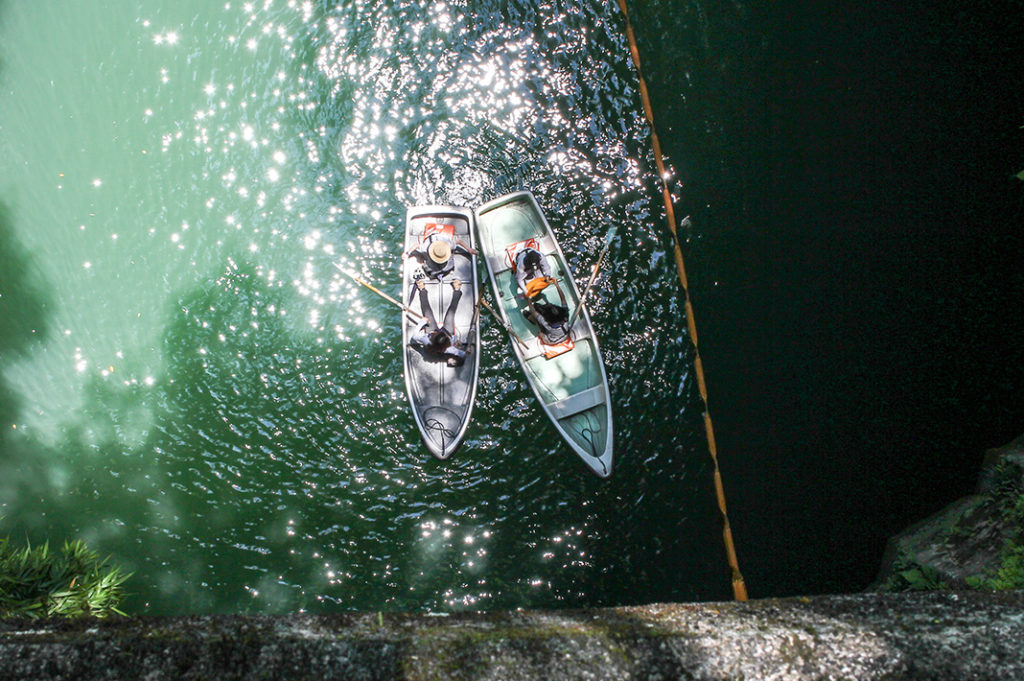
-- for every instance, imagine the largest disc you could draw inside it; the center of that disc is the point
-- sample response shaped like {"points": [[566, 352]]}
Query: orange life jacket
{"points": [[535, 286], [432, 228]]}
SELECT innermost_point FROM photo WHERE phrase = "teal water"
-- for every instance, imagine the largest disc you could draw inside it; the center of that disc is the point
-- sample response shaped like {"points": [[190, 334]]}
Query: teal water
{"points": [[189, 385]]}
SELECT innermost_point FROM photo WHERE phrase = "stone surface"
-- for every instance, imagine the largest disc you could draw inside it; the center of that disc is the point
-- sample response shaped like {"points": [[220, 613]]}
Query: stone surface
{"points": [[957, 636]]}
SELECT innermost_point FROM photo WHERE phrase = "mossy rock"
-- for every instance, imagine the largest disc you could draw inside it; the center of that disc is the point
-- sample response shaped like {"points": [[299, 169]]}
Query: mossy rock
{"points": [[972, 543]]}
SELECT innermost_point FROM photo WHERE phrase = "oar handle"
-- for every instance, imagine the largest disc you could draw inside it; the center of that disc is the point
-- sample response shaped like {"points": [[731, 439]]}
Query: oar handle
{"points": [[586, 291], [476, 311], [476, 318]]}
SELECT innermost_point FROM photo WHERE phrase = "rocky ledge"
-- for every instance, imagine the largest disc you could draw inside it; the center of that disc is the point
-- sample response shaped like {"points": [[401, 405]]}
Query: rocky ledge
{"points": [[959, 636], [975, 542]]}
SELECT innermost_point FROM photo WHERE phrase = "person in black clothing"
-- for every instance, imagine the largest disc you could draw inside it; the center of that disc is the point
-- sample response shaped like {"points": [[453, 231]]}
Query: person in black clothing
{"points": [[552, 318], [440, 341]]}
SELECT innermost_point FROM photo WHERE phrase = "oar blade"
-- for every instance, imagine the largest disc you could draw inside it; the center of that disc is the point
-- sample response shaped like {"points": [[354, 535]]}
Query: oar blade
{"points": [[380, 293]]}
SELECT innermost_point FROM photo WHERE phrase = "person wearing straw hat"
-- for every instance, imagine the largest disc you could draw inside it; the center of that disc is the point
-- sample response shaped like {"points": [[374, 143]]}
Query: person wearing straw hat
{"points": [[435, 254]]}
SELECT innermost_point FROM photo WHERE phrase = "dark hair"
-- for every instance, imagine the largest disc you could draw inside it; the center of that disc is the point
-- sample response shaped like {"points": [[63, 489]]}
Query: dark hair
{"points": [[532, 258], [439, 339], [553, 314]]}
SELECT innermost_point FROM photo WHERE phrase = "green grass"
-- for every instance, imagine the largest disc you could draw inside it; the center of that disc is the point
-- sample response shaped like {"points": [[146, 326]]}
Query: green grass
{"points": [[70, 582], [1008, 494], [1009, 574]]}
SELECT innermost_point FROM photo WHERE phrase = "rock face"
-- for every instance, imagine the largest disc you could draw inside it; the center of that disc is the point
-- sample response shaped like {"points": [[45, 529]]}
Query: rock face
{"points": [[966, 539], [936, 636]]}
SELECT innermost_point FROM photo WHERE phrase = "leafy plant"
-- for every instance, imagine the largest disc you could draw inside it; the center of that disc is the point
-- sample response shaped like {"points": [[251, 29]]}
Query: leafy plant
{"points": [[909, 575], [922, 578], [1007, 486], [1010, 572], [70, 582], [1008, 576], [1017, 514]]}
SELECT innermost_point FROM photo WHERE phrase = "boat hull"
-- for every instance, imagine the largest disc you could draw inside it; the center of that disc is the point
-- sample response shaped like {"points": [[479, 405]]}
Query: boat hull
{"points": [[441, 397], [572, 387]]}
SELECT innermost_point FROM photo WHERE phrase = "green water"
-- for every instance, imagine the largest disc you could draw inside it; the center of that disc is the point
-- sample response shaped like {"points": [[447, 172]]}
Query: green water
{"points": [[190, 386]]}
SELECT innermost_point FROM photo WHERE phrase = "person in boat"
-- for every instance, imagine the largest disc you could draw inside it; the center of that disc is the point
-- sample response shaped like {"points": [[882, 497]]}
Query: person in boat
{"points": [[440, 341], [533, 275], [436, 253], [551, 318]]}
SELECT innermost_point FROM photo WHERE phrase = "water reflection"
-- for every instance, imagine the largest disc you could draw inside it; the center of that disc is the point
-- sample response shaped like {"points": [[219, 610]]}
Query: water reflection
{"points": [[255, 450]]}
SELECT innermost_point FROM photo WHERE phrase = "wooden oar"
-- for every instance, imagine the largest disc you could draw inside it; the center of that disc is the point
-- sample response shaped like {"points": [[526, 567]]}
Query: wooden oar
{"points": [[379, 292], [476, 315], [504, 323], [593, 276]]}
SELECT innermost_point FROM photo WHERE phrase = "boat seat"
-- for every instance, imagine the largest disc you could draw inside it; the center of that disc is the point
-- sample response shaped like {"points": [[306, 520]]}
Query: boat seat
{"points": [[499, 263], [546, 244], [533, 349], [574, 404]]}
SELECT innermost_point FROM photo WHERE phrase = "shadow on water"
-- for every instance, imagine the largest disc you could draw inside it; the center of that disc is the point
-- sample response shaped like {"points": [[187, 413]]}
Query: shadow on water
{"points": [[186, 465], [274, 465], [24, 305], [281, 460]]}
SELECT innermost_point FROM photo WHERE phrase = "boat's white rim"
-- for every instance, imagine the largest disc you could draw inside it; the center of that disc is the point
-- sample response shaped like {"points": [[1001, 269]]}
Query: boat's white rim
{"points": [[413, 213]]}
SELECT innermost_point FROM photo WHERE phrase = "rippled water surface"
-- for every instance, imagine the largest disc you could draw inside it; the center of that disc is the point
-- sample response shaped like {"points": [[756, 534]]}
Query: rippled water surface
{"points": [[190, 385]]}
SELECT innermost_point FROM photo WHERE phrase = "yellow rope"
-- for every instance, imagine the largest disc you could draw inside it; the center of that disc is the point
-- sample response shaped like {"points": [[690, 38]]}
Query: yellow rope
{"points": [[739, 587]]}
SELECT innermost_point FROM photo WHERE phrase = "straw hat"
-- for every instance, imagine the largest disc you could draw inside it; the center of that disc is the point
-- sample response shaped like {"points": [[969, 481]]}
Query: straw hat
{"points": [[440, 251]]}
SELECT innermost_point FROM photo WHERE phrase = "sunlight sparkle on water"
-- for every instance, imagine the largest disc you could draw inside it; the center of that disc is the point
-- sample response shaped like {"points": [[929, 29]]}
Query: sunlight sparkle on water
{"points": [[404, 120], [169, 38]]}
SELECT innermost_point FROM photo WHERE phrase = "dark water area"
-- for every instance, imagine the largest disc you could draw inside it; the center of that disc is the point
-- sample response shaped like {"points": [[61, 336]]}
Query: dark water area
{"points": [[854, 261]]}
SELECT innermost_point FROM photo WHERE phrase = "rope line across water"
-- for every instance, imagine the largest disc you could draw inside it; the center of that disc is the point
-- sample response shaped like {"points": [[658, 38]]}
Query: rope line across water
{"points": [[739, 587]]}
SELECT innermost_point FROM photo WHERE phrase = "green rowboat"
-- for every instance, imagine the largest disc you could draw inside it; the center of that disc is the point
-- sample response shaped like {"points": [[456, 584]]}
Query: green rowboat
{"points": [[571, 387]]}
